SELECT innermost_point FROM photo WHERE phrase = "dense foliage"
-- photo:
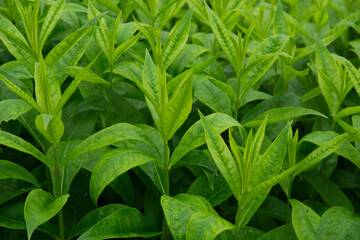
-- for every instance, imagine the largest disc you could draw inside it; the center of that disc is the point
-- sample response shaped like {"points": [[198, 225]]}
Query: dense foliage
{"points": [[189, 119]]}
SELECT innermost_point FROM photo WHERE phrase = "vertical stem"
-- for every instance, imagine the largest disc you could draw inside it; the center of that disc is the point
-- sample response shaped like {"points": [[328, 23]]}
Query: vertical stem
{"points": [[333, 123], [108, 115], [166, 231], [58, 193]]}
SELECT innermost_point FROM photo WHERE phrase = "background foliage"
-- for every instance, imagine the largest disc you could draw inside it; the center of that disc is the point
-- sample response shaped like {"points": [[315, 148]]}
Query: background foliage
{"points": [[183, 119]]}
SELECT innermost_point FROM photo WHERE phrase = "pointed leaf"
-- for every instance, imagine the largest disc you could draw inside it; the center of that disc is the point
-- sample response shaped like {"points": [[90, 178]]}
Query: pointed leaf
{"points": [[112, 165], [222, 157], [19, 144], [123, 223], [304, 220], [41, 206], [347, 150], [338, 223], [102, 34], [150, 79], [115, 133], [206, 225], [213, 97], [259, 63], [73, 86], [282, 114], [224, 39], [50, 21], [12, 170], [11, 109], [328, 190], [65, 46], [271, 161], [20, 93], [92, 218], [176, 40], [179, 209], [354, 74], [328, 77], [178, 108], [16, 43], [90, 76], [195, 137], [119, 50]]}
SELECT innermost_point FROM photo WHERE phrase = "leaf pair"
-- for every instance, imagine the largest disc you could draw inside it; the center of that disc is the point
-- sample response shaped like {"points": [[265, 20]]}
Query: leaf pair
{"points": [[335, 223], [191, 217]]}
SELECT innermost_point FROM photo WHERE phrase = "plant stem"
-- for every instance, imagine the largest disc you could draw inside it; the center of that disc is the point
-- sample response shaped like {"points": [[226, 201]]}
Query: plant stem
{"points": [[58, 193], [108, 115], [166, 231]]}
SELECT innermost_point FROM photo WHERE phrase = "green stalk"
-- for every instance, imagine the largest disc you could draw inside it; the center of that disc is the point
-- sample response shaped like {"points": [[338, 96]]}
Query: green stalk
{"points": [[108, 115], [58, 193], [166, 230]]}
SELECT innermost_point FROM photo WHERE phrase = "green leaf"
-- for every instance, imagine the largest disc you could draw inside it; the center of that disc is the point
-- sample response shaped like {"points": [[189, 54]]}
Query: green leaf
{"points": [[119, 50], [270, 163], [213, 97], [195, 137], [16, 43], [115, 133], [328, 190], [113, 164], [176, 40], [11, 109], [73, 86], [281, 114], [224, 39], [41, 206], [61, 49], [311, 94], [51, 127], [265, 168], [353, 132], [20, 93], [125, 222], [12, 216], [42, 90], [304, 220], [346, 150], [186, 57], [206, 225], [309, 161], [328, 77], [90, 76], [150, 79], [354, 74], [178, 108], [253, 95], [92, 218], [337, 31], [284, 232], [222, 157], [338, 223], [261, 60], [102, 34], [281, 25], [348, 112], [179, 209], [50, 21], [109, 5], [12, 141], [215, 194], [12, 170]]}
